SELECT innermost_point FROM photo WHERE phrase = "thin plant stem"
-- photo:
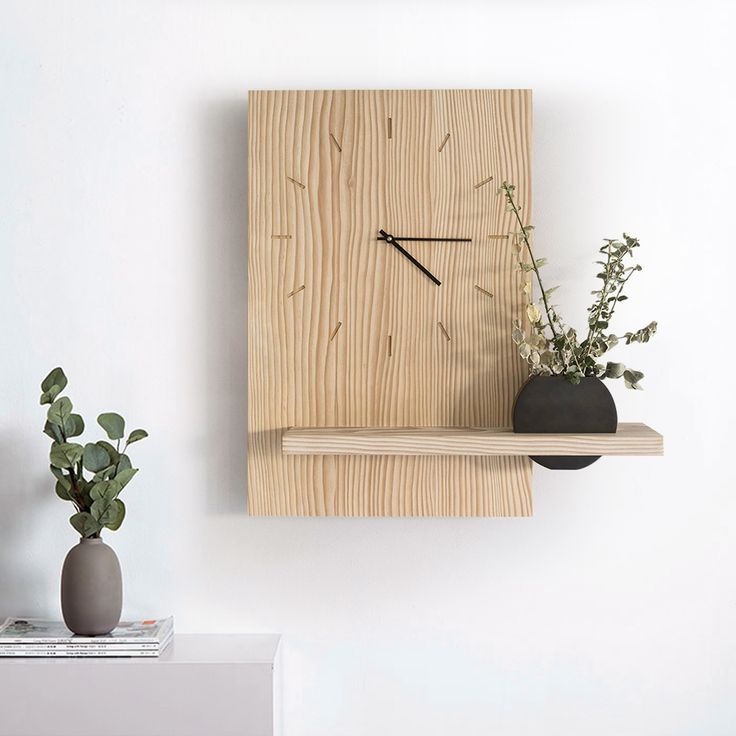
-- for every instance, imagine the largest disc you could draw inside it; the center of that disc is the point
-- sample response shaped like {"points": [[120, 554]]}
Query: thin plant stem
{"points": [[620, 290], [515, 210], [78, 499], [591, 334], [601, 303], [547, 308]]}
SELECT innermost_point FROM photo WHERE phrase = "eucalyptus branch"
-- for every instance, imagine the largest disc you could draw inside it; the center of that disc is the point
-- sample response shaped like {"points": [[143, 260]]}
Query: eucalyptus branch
{"points": [[552, 317], [95, 501], [601, 304], [562, 353], [512, 204], [611, 292], [621, 289], [78, 499]]}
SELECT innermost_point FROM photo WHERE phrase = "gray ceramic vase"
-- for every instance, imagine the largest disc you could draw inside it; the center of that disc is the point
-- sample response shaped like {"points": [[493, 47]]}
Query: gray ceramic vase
{"points": [[91, 588]]}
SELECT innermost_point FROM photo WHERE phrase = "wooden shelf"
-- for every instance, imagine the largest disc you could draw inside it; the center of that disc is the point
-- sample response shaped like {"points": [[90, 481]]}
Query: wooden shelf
{"points": [[629, 439]]}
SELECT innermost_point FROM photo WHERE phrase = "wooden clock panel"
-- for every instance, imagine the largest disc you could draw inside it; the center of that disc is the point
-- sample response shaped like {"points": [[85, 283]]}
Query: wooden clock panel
{"points": [[345, 331]]}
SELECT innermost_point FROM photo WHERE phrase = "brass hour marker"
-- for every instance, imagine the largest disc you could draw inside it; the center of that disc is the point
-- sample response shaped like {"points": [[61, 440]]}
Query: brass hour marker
{"points": [[498, 237], [281, 237], [390, 346], [334, 332], [483, 291], [296, 291], [298, 183], [444, 331], [390, 128], [337, 145], [481, 183], [444, 142]]}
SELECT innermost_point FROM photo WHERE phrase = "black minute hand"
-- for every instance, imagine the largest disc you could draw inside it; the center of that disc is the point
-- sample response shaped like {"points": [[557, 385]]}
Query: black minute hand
{"points": [[429, 240], [392, 241]]}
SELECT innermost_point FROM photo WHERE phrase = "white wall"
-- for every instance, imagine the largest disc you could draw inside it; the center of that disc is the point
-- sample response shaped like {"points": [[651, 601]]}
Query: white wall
{"points": [[123, 241]]}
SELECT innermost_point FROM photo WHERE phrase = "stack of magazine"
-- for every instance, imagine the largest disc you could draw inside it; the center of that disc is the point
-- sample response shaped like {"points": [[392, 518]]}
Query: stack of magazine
{"points": [[34, 637]]}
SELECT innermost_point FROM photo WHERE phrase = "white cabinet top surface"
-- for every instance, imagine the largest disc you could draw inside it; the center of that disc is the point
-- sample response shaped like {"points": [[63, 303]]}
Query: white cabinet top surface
{"points": [[185, 649]]}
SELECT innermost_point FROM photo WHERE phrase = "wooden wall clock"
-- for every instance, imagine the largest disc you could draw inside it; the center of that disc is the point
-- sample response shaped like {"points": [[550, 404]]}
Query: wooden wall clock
{"points": [[382, 289]]}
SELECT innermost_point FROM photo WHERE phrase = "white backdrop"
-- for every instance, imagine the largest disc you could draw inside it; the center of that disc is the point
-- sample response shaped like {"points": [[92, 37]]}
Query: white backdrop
{"points": [[123, 238]]}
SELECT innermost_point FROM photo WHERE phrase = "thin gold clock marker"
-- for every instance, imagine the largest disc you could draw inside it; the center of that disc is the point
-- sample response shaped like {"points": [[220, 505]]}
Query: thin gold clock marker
{"points": [[444, 331], [390, 128], [281, 237], [444, 142], [390, 346], [337, 145], [335, 331], [298, 183], [484, 291], [498, 237], [481, 183], [296, 291]]}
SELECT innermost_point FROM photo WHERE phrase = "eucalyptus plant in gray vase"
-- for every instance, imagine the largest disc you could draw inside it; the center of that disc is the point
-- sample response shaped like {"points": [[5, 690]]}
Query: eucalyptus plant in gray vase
{"points": [[565, 391], [91, 581]]}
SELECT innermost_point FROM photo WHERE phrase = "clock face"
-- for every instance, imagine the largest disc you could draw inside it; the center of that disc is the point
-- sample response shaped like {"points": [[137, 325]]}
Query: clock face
{"points": [[382, 289]]}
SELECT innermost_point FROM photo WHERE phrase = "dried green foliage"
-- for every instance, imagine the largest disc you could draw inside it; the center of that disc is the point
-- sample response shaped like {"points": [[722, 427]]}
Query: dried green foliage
{"points": [[95, 499], [549, 345]]}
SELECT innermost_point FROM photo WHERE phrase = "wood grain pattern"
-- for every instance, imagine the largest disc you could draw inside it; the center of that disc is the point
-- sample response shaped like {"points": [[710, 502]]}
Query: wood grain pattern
{"points": [[629, 439], [389, 365]]}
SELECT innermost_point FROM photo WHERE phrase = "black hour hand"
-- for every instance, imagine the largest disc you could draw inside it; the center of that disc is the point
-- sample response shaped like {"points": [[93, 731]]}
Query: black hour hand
{"points": [[391, 240]]}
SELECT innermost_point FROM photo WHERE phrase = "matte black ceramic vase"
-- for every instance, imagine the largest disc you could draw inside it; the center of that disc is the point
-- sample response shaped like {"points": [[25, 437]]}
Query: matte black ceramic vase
{"points": [[551, 404], [91, 588]]}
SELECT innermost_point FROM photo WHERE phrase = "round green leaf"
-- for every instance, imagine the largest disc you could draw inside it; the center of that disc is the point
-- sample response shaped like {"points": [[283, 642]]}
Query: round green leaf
{"points": [[105, 489], [137, 434], [95, 458], [53, 431], [108, 512], [117, 515], [73, 425], [55, 378], [62, 492], [83, 487], [59, 475], [615, 370], [632, 378], [85, 524], [113, 424], [99, 509], [124, 462], [59, 411], [48, 396], [104, 474], [110, 450], [65, 455], [125, 476]]}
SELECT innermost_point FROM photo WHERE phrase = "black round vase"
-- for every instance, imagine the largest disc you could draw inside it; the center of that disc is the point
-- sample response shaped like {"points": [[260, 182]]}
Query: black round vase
{"points": [[551, 404]]}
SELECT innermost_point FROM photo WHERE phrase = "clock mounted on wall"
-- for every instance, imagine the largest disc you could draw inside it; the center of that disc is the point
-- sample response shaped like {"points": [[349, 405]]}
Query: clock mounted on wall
{"points": [[382, 290]]}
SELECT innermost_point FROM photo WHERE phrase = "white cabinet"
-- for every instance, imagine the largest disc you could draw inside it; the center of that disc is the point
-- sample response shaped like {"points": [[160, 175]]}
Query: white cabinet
{"points": [[202, 685]]}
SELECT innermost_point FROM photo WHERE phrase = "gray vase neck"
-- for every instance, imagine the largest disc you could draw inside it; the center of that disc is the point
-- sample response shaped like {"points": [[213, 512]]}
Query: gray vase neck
{"points": [[88, 540]]}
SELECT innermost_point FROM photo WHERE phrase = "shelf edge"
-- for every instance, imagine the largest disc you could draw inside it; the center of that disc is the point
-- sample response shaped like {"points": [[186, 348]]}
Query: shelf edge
{"points": [[631, 439]]}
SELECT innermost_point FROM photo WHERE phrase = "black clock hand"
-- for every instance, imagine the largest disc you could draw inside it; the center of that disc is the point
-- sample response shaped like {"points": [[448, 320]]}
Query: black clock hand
{"points": [[432, 240], [392, 241]]}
